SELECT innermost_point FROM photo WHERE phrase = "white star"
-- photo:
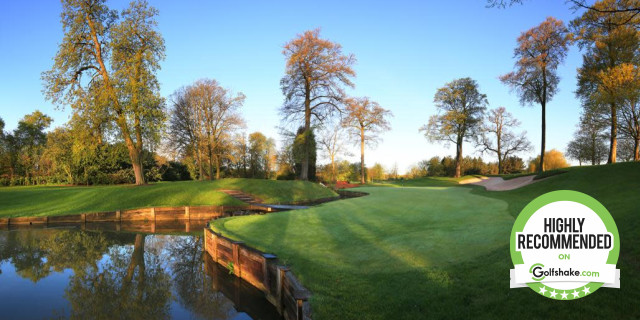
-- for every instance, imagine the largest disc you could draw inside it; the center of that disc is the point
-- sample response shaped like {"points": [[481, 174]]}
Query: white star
{"points": [[575, 294], [586, 290], [553, 293], [564, 295], [542, 290]]}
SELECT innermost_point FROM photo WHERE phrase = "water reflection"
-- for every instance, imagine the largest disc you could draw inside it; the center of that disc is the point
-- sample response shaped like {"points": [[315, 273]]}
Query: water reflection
{"points": [[80, 274]]}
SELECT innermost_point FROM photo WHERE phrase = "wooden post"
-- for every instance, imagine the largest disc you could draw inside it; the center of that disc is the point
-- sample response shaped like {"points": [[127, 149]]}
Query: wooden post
{"points": [[235, 246], [206, 237], [280, 283], [214, 236], [84, 218], [187, 215], [153, 213], [299, 309], [118, 216], [268, 259]]}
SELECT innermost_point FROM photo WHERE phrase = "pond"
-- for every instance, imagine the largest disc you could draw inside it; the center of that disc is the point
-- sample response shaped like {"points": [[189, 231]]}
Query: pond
{"points": [[60, 273]]}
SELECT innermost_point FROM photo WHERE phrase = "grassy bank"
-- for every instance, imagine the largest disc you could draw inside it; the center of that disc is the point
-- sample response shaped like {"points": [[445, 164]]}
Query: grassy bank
{"points": [[50, 200], [439, 252]]}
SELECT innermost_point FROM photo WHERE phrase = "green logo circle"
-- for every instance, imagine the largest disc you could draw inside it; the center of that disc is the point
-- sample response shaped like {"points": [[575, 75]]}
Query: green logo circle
{"points": [[564, 245]]}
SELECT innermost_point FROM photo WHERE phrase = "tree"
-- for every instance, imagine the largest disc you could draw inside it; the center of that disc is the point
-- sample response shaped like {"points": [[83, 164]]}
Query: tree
{"points": [[365, 120], [304, 144], [316, 71], [497, 126], [554, 160], [377, 172], [460, 110], [59, 151], [631, 8], [332, 142], [539, 52], [630, 110], [204, 117], [105, 69], [183, 128], [261, 155], [27, 144], [217, 112], [610, 45]]}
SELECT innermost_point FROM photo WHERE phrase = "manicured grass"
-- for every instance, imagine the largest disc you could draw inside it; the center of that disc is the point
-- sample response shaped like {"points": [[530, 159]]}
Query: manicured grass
{"points": [[427, 182], [50, 200], [439, 252]]}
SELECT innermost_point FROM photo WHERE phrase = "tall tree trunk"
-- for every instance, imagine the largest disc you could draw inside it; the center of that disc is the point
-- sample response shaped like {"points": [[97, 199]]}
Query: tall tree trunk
{"points": [[134, 154], [210, 162], [333, 168], [304, 171], [362, 156], [136, 160], [544, 129], [636, 150], [217, 166], [201, 175], [613, 145], [137, 259], [499, 148], [458, 157]]}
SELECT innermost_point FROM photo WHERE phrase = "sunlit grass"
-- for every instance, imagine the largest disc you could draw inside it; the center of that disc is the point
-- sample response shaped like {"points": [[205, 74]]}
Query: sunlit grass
{"points": [[439, 252], [50, 200]]}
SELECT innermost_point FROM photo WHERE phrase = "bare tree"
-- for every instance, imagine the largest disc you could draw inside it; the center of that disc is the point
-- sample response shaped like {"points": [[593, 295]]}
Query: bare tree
{"points": [[365, 120], [220, 118], [461, 108], [540, 51], [316, 71], [204, 117], [497, 127], [332, 138]]}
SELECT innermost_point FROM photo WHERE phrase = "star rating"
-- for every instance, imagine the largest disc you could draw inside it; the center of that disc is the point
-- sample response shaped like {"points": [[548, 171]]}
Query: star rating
{"points": [[553, 293], [542, 290], [586, 290], [564, 295], [575, 294]]}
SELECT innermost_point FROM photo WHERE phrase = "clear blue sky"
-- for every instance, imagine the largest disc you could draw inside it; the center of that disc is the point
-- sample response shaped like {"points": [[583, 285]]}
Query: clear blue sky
{"points": [[405, 51]]}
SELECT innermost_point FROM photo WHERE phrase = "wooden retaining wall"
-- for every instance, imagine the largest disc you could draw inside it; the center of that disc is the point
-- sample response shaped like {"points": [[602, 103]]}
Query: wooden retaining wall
{"points": [[262, 271], [155, 214]]}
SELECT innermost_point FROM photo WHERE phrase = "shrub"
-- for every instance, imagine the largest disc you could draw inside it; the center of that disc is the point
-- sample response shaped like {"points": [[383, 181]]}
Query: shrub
{"points": [[553, 159]]}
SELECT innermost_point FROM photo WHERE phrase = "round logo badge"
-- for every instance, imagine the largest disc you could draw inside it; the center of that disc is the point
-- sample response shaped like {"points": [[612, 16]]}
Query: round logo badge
{"points": [[565, 246]]}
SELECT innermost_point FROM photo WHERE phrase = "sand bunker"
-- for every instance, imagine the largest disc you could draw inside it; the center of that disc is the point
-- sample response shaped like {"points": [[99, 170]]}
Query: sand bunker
{"points": [[499, 184]]}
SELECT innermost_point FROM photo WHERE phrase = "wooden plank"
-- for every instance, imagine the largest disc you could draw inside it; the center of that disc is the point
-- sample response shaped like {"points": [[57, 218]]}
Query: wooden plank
{"points": [[137, 215], [66, 219], [101, 217], [28, 220]]}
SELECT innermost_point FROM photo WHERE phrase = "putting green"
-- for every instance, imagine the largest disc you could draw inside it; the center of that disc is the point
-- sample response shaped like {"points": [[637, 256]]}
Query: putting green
{"points": [[390, 231]]}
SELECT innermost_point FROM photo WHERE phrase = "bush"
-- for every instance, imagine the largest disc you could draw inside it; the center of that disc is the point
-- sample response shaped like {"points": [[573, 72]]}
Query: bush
{"points": [[553, 159]]}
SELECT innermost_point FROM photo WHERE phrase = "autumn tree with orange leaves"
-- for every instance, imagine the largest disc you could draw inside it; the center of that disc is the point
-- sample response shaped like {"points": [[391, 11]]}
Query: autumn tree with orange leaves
{"points": [[365, 120], [316, 72], [539, 52], [606, 77]]}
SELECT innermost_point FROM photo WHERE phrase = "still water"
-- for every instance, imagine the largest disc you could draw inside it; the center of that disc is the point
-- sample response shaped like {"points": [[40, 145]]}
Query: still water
{"points": [[61, 273]]}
